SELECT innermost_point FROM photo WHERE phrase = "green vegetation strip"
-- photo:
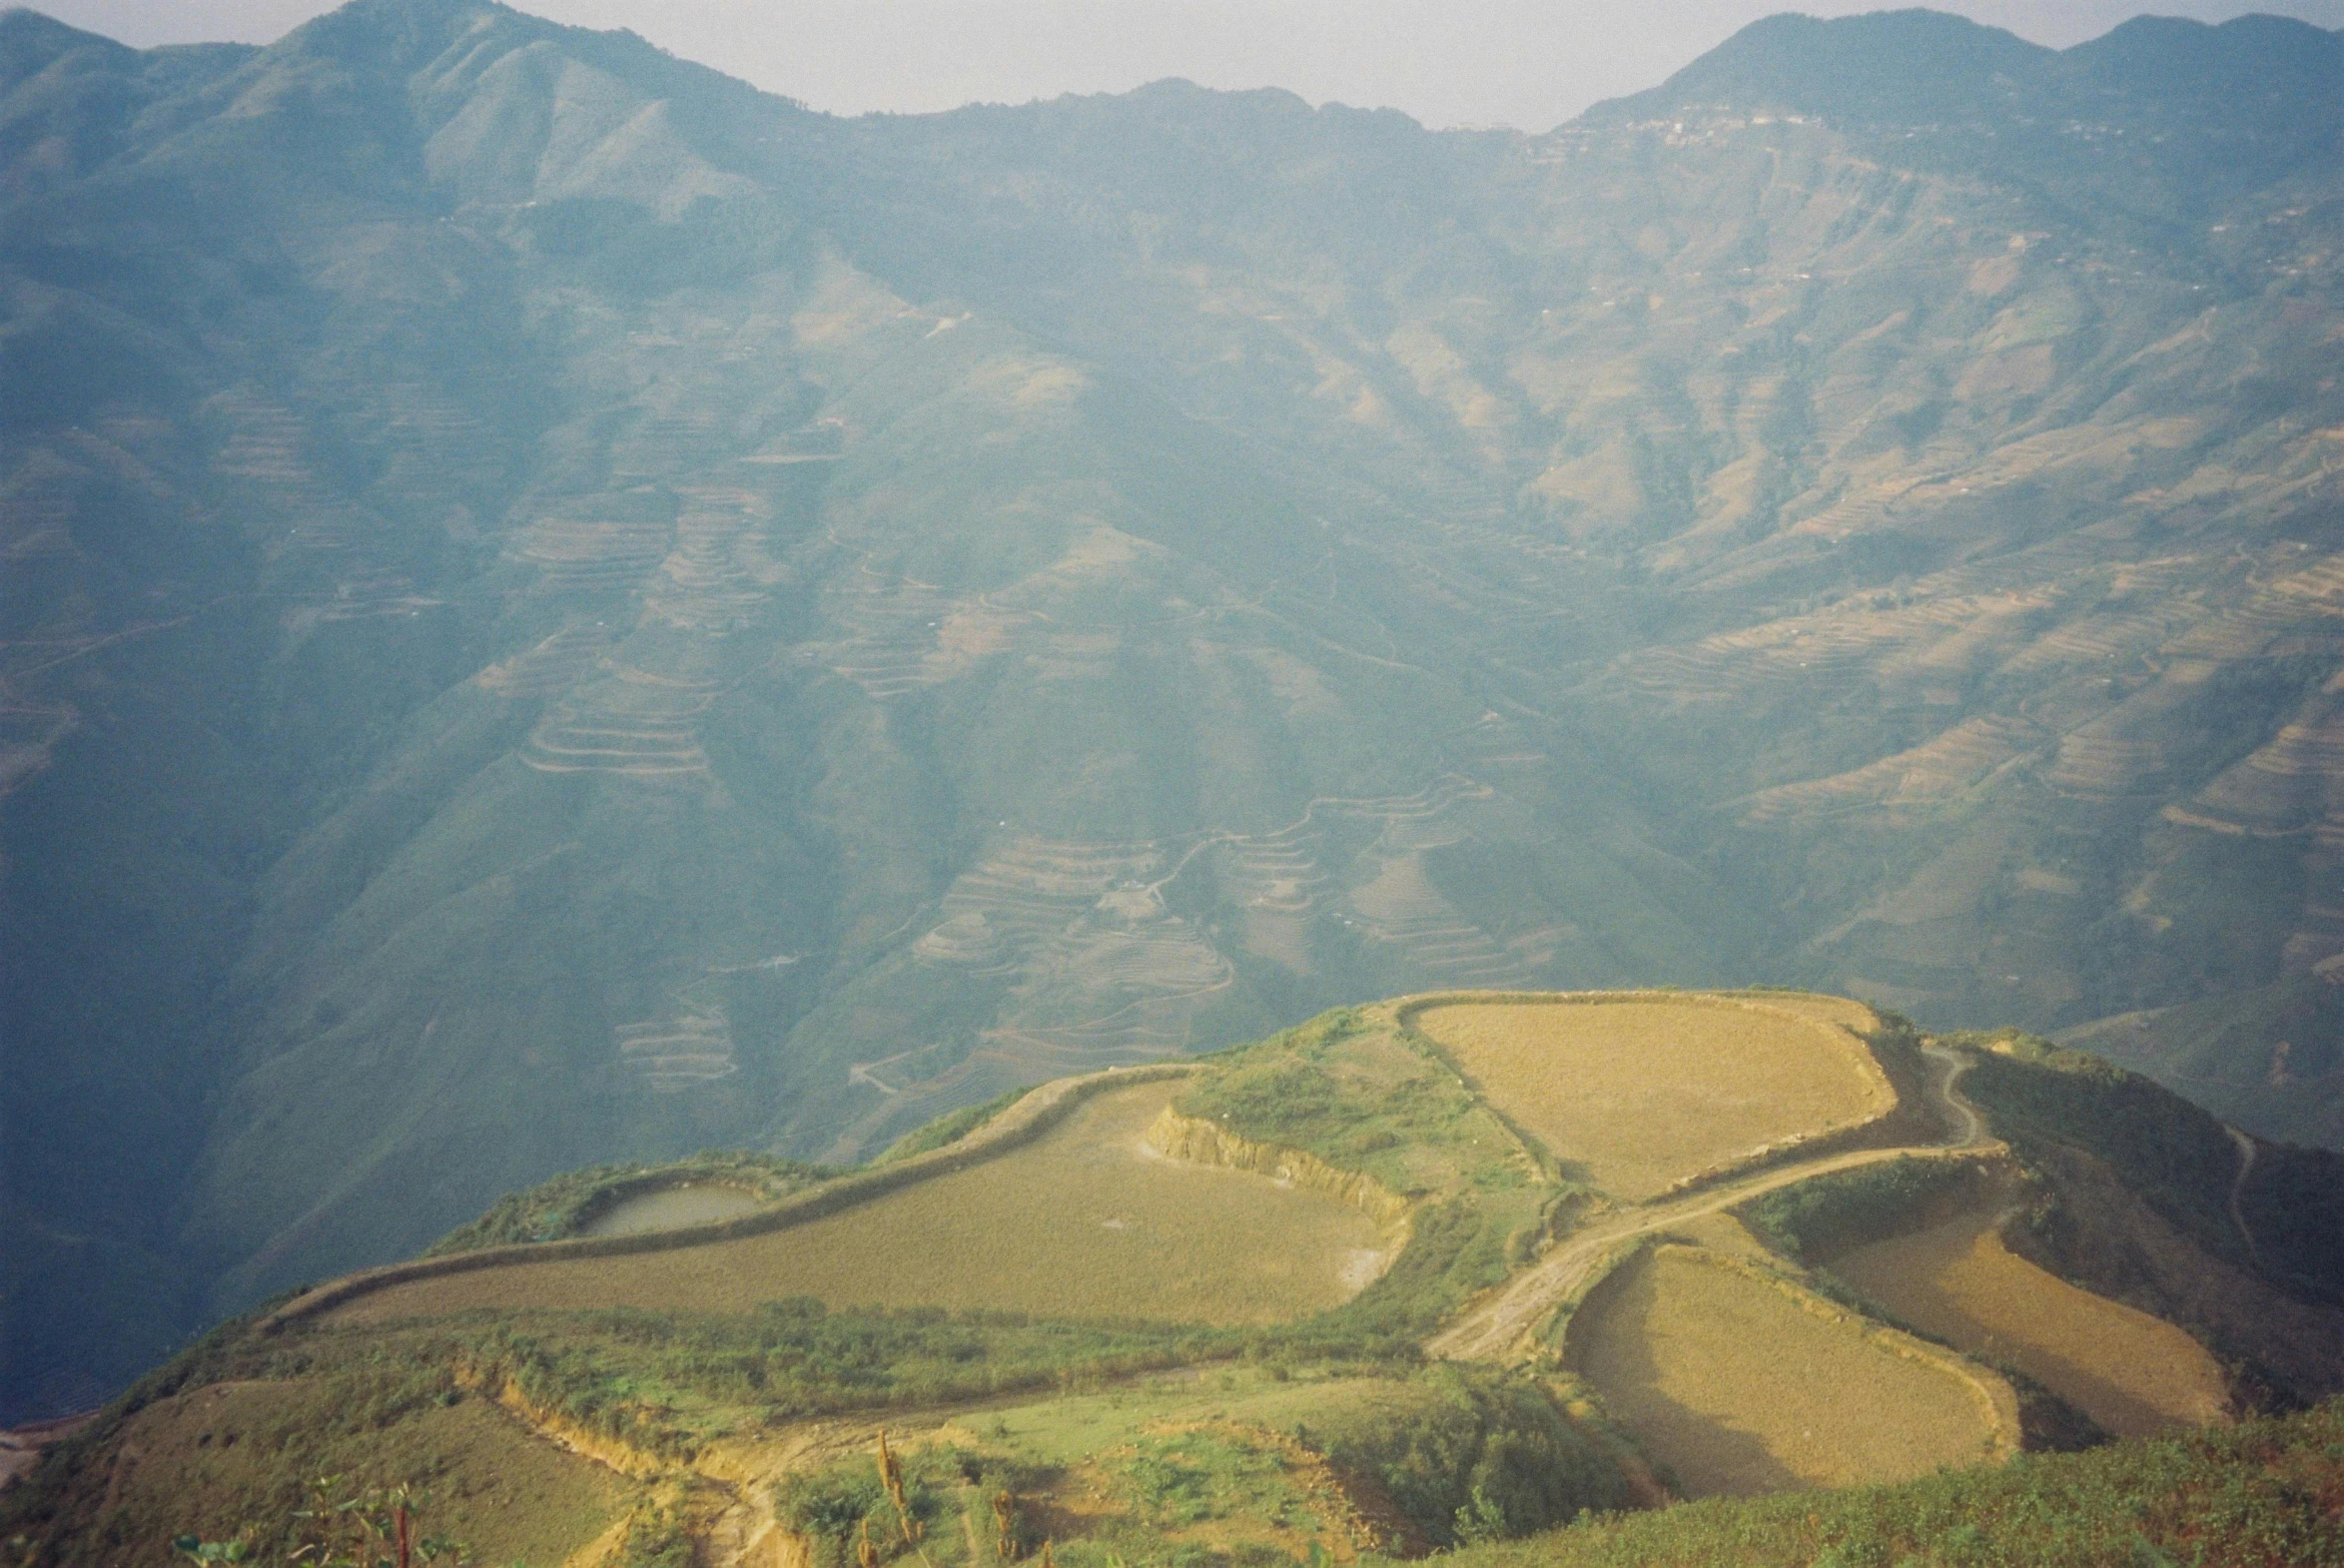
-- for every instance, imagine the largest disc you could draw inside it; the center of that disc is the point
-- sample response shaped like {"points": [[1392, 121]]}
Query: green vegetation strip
{"points": [[2266, 1494], [558, 1209], [1851, 1208], [1363, 1096], [1459, 1453]]}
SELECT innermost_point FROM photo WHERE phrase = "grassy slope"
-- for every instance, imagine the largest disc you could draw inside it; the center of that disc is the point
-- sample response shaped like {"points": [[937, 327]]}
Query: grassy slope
{"points": [[1351, 1088], [2265, 1059], [2268, 1495], [1167, 1471], [226, 1440], [2176, 1155]]}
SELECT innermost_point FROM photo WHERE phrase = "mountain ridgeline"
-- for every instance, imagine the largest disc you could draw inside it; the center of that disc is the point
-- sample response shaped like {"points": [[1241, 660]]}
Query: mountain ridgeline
{"points": [[559, 610]]}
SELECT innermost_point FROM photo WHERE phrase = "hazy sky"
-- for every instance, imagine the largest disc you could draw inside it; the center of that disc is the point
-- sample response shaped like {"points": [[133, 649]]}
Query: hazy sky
{"points": [[1526, 63]]}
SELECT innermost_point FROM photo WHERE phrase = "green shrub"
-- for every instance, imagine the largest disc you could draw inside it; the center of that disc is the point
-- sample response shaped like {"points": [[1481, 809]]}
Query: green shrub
{"points": [[1851, 1208], [561, 1208], [949, 1128], [1479, 1455], [2259, 1496], [2172, 1152]]}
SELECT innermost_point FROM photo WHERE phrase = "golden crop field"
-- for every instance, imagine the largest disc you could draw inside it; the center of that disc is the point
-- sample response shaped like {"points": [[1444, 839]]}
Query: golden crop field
{"points": [[1083, 1221], [1644, 1090], [2134, 1374], [1743, 1390]]}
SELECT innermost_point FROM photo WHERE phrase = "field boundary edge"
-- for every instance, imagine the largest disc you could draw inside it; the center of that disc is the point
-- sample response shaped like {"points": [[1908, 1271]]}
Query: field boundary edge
{"points": [[1822, 1141], [1043, 1108]]}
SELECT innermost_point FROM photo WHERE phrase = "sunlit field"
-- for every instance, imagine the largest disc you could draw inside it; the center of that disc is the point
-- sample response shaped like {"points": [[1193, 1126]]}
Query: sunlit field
{"points": [[1741, 1390], [2134, 1374], [1084, 1221], [1646, 1089]]}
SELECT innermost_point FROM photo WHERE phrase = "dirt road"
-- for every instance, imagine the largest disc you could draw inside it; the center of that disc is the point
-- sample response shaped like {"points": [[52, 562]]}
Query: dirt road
{"points": [[1501, 1328], [2246, 1151]]}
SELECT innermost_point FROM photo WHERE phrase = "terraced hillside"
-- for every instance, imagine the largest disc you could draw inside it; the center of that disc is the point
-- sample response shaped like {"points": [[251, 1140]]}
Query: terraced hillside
{"points": [[1319, 1298], [561, 610]]}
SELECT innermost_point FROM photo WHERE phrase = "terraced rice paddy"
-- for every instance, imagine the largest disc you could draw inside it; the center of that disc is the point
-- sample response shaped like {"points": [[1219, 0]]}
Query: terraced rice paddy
{"points": [[678, 1050], [1837, 647], [704, 585], [1083, 1223], [1936, 770], [1277, 879], [551, 666], [1108, 975], [593, 554], [1741, 1390], [2134, 1374], [1402, 907], [1645, 1090], [635, 724], [2283, 787]]}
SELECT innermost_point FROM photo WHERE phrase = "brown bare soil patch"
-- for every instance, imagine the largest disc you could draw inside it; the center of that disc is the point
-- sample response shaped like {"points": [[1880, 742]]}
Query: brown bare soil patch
{"points": [[2134, 1374], [1084, 1221], [1645, 1090], [1742, 1386]]}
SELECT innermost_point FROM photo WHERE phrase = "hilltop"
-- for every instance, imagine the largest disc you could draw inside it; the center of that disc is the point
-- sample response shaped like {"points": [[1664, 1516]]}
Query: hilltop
{"points": [[1459, 1268], [561, 610]]}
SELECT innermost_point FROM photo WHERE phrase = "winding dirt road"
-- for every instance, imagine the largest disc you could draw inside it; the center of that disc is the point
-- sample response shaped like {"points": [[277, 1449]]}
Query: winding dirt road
{"points": [[2246, 1152], [1501, 1329]]}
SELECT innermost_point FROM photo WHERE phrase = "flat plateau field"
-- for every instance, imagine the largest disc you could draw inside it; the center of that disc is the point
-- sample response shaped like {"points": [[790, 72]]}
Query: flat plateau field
{"points": [[2136, 1374], [1645, 1090], [1084, 1221], [1741, 1390]]}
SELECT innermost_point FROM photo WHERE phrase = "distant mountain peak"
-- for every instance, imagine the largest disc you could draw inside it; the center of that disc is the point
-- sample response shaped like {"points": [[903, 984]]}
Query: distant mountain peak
{"points": [[1978, 97], [1889, 65], [30, 40]]}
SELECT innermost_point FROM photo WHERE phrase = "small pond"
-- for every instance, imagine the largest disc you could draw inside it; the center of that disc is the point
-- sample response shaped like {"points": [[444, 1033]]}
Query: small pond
{"points": [[667, 1207]]}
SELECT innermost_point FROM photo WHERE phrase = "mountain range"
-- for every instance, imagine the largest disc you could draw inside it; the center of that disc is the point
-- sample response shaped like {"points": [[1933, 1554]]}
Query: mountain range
{"points": [[558, 608]]}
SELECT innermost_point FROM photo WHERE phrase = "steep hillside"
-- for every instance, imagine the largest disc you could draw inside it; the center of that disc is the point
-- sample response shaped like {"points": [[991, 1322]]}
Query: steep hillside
{"points": [[1359, 1290], [563, 611]]}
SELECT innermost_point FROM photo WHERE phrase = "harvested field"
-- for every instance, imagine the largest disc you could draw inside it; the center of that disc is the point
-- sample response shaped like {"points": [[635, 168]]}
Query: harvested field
{"points": [[1743, 1389], [1645, 1090], [2134, 1374], [1084, 1221]]}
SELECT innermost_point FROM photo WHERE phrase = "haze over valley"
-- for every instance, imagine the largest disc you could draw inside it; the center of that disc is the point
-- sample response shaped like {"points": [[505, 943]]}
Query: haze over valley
{"points": [[559, 610]]}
